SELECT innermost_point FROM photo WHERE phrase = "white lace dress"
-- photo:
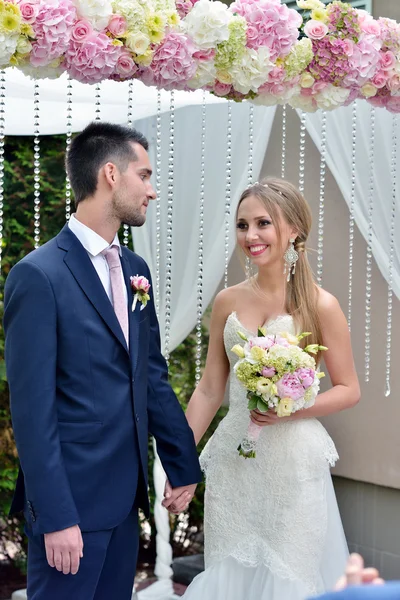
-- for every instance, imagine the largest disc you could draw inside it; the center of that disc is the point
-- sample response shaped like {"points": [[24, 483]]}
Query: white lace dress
{"points": [[272, 525]]}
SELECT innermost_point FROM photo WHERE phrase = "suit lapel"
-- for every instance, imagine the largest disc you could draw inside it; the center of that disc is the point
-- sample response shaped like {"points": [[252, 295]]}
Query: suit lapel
{"points": [[81, 267], [133, 316]]}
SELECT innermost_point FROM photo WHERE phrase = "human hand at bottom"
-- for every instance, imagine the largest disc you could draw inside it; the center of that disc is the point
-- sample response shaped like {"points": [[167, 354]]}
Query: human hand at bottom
{"points": [[64, 549], [357, 574], [177, 499]]}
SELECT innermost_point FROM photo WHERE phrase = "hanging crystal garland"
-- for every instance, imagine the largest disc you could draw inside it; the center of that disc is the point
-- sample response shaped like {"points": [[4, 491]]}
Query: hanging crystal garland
{"points": [[201, 240], [284, 116], [391, 256], [321, 210], [250, 172], [36, 164], [228, 189], [97, 96], [130, 124], [302, 151], [368, 277], [2, 159], [170, 198], [352, 205], [158, 202], [68, 144]]}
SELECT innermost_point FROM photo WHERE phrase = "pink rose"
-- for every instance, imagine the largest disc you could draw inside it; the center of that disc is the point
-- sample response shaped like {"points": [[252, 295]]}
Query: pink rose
{"points": [[117, 25], [263, 342], [268, 372], [379, 79], [393, 83], [221, 89], [388, 60], [290, 387], [138, 282], [29, 12], [81, 30], [126, 66], [316, 30], [204, 54], [306, 376]]}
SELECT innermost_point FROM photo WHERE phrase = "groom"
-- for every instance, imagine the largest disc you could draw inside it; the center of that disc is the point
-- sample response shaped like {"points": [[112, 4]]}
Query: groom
{"points": [[88, 382]]}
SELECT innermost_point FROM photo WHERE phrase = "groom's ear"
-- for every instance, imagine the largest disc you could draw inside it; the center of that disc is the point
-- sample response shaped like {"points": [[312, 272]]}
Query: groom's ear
{"points": [[110, 173]]}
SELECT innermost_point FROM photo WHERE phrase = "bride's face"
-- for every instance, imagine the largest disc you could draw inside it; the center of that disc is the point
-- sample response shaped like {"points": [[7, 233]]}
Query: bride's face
{"points": [[257, 235]]}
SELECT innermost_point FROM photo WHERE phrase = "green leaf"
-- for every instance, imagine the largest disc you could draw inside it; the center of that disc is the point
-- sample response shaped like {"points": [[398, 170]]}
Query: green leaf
{"points": [[262, 406], [253, 403], [261, 332]]}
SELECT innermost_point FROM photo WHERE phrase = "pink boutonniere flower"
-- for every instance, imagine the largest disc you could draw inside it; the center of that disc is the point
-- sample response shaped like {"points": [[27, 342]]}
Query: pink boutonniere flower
{"points": [[140, 287]]}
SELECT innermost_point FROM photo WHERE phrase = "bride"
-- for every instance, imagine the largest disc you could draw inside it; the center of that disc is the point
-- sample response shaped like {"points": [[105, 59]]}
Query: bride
{"points": [[272, 526]]}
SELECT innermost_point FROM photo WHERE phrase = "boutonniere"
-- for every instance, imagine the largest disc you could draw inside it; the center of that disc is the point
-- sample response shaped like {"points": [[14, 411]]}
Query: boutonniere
{"points": [[140, 287]]}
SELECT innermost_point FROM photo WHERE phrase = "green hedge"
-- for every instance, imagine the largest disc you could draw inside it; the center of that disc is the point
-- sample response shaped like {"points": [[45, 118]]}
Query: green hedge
{"points": [[18, 241]]}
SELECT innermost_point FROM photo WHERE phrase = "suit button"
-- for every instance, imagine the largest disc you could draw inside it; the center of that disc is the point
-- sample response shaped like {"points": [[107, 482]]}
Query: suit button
{"points": [[137, 418], [133, 380]]}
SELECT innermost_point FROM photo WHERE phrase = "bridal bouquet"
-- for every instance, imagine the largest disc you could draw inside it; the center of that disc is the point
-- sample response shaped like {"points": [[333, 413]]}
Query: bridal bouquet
{"points": [[278, 375]]}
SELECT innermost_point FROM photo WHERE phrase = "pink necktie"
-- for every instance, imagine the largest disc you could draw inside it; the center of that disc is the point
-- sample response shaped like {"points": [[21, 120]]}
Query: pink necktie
{"points": [[117, 289]]}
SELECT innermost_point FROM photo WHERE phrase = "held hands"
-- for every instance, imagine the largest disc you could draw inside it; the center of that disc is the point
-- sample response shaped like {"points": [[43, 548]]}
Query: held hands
{"points": [[177, 499], [64, 549], [357, 574]]}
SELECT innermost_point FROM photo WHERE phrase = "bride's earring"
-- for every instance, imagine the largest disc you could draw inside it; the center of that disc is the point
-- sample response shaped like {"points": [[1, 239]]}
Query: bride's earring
{"points": [[291, 257]]}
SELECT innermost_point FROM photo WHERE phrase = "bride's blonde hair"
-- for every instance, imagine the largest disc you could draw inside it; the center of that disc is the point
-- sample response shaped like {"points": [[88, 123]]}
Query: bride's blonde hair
{"points": [[301, 291]]}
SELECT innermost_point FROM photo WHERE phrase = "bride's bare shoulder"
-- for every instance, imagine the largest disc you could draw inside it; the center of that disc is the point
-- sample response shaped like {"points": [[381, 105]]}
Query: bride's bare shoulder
{"points": [[226, 300]]}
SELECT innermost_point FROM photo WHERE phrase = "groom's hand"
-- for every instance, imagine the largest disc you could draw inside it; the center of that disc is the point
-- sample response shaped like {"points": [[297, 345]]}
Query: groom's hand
{"points": [[64, 549], [357, 574], [177, 499]]}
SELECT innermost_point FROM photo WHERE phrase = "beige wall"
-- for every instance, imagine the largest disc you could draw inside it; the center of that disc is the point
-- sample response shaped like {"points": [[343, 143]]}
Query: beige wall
{"points": [[386, 8], [367, 436]]}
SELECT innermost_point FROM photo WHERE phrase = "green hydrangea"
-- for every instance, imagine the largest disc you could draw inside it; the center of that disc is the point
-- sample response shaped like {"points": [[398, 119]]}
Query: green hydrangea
{"points": [[248, 374], [233, 49], [299, 58]]}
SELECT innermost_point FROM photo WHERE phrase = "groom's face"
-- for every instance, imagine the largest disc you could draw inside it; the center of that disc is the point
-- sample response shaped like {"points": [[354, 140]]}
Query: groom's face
{"points": [[134, 192]]}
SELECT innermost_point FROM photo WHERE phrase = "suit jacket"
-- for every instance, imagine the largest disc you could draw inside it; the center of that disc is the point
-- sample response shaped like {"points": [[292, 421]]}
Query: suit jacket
{"points": [[82, 404], [389, 591]]}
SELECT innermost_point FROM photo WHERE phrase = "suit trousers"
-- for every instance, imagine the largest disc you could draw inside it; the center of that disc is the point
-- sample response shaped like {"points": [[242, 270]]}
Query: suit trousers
{"points": [[107, 569]]}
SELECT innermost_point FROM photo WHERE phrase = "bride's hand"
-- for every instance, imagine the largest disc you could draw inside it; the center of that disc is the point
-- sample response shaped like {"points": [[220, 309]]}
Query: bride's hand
{"points": [[266, 418]]}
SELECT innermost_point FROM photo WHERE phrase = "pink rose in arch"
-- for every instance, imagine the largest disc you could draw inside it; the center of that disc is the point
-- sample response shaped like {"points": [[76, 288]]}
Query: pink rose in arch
{"points": [[117, 25], [316, 30], [81, 30], [29, 11]]}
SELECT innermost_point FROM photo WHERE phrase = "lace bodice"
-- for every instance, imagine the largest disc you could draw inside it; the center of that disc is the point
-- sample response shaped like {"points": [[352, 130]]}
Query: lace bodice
{"points": [[269, 509]]}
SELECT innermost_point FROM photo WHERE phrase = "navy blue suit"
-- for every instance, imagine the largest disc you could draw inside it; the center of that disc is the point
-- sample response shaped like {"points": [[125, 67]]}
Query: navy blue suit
{"points": [[82, 403], [388, 591]]}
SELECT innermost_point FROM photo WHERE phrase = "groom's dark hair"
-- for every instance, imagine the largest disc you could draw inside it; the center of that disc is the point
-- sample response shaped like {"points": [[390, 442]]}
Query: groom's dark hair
{"points": [[96, 145]]}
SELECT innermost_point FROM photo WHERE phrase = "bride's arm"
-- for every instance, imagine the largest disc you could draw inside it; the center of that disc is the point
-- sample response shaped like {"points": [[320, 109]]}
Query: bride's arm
{"points": [[209, 394], [345, 390]]}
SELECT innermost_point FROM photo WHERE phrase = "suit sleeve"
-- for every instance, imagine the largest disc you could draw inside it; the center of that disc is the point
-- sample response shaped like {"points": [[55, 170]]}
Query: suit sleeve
{"points": [[167, 422], [30, 324]]}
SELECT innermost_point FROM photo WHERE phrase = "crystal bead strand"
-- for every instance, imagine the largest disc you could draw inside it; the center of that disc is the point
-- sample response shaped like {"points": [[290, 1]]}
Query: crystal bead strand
{"points": [[284, 116], [368, 277], [228, 189], [130, 124], [168, 256], [250, 172], [391, 257], [97, 112], [36, 164], [352, 204], [321, 210], [158, 202], [2, 159], [201, 240], [67, 146], [302, 150]]}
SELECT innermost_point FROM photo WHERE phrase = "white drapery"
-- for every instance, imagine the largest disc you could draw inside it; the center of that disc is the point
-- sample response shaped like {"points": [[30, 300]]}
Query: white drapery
{"points": [[185, 225], [338, 159]]}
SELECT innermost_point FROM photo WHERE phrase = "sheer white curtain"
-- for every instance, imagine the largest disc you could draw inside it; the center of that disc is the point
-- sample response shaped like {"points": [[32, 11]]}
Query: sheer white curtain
{"points": [[185, 225], [338, 158]]}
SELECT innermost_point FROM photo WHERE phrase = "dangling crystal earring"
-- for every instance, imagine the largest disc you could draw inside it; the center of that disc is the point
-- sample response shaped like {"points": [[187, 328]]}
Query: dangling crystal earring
{"points": [[291, 257]]}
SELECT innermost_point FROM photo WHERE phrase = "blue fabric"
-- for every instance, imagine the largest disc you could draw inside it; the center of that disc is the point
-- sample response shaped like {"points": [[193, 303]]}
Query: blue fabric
{"points": [[82, 404], [388, 591]]}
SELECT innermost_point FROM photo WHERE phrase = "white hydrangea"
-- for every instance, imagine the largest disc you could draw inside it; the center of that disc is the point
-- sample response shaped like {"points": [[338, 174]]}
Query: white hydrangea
{"points": [[8, 45], [252, 70], [207, 23], [98, 12], [332, 97], [134, 11], [206, 74], [51, 71], [271, 100], [305, 103]]}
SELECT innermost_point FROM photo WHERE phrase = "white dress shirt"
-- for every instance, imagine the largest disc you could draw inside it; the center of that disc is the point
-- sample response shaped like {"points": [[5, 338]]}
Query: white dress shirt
{"points": [[94, 245]]}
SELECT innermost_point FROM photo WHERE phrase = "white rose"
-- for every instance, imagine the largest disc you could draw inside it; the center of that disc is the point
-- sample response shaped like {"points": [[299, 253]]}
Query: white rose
{"points": [[310, 4], [98, 12], [252, 70], [23, 45], [137, 42], [207, 23], [305, 103]]}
